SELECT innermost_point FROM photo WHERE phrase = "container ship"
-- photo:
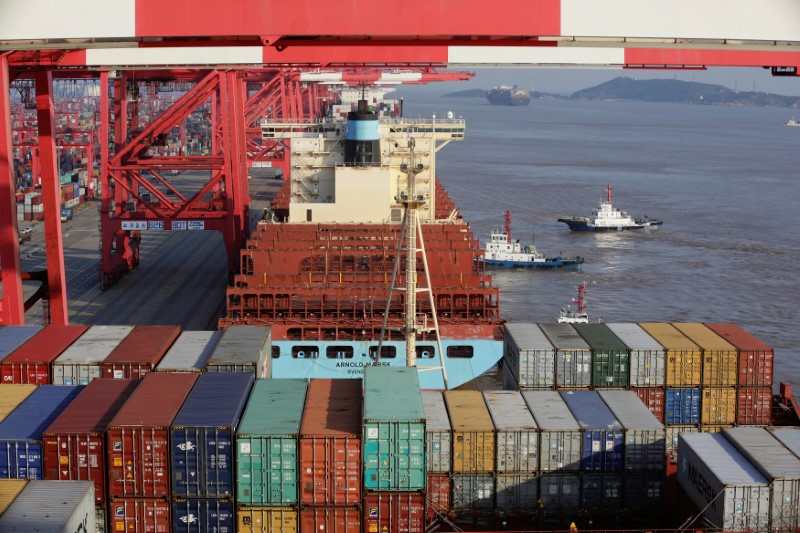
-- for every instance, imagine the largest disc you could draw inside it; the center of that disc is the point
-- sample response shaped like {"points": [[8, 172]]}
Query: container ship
{"points": [[508, 95], [360, 219]]}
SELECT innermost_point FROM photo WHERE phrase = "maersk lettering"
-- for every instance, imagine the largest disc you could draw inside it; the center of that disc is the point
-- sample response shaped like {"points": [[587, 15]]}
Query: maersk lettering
{"points": [[702, 486], [357, 364]]}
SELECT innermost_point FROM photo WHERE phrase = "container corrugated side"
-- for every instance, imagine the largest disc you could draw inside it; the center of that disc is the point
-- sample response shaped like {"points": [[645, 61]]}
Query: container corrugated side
{"points": [[560, 493], [573, 356], [602, 447], [517, 436], [190, 352], [203, 515], [718, 406], [21, 431], [267, 450], [138, 437], [75, 443], [12, 337], [251, 519], [517, 493], [437, 493], [473, 432], [9, 490], [334, 519], [394, 430], [242, 349], [559, 433], [80, 363], [720, 480], [330, 443], [754, 406], [644, 491], [645, 446], [203, 435], [439, 432], [756, 358], [473, 494], [653, 398], [394, 512], [610, 358], [682, 407], [13, 395], [151, 515], [529, 356], [32, 361], [781, 468], [66, 506], [139, 352], [684, 358], [720, 366], [647, 358]]}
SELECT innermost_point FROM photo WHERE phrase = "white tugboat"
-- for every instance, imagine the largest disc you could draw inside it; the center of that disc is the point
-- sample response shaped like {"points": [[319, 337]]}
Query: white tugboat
{"points": [[578, 315], [607, 218], [502, 251]]}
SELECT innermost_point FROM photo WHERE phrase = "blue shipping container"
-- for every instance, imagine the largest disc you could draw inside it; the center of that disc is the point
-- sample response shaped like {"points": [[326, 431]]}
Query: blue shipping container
{"points": [[204, 433], [21, 431], [682, 407], [602, 438], [203, 516]]}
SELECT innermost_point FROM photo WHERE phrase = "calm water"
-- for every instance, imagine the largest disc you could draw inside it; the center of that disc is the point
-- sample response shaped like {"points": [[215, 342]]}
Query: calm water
{"points": [[723, 179]]}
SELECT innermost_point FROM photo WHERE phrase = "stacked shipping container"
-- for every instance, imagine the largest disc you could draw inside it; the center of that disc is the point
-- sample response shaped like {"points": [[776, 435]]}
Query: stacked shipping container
{"points": [[32, 361], [63, 506], [80, 363], [242, 349], [190, 352], [438, 456], [139, 352]]}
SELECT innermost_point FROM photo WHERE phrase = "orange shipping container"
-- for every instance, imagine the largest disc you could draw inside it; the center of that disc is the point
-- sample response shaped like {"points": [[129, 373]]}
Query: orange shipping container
{"points": [[330, 519], [755, 357], [653, 399], [473, 432], [718, 406], [754, 406], [684, 358], [437, 495], [720, 366]]}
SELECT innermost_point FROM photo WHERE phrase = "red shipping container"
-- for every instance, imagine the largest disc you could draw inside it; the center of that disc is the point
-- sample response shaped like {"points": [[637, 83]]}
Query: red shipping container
{"points": [[74, 444], [754, 406], [139, 515], [330, 443], [138, 437], [755, 357], [32, 362], [330, 520], [438, 495], [653, 399], [139, 352], [394, 512]]}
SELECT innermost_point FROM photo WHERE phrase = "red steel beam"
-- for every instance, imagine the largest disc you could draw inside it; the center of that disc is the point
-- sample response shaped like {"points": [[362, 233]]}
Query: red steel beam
{"points": [[51, 195]]}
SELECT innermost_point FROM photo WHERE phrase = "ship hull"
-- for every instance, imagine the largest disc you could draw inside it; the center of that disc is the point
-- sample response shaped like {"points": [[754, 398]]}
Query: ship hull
{"points": [[565, 263], [582, 224]]}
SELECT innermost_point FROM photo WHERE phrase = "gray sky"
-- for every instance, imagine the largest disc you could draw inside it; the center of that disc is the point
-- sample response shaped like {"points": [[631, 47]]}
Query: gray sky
{"points": [[567, 81]]}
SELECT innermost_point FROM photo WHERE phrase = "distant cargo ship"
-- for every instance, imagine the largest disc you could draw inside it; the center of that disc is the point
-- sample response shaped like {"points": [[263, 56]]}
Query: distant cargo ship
{"points": [[508, 95]]}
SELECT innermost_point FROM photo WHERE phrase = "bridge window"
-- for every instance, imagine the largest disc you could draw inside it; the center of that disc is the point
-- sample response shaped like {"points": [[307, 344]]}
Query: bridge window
{"points": [[426, 352], [387, 352], [305, 352], [339, 352], [460, 352], [276, 352]]}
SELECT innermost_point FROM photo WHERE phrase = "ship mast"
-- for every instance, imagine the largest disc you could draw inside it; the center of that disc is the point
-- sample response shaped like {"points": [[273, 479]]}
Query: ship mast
{"points": [[508, 225], [608, 192]]}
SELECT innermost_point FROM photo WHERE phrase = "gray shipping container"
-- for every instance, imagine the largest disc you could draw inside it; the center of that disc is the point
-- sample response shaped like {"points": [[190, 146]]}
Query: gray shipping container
{"points": [[672, 438], [191, 351], [80, 363], [52, 507], [438, 432], [601, 492], [517, 494], [645, 437], [789, 437], [243, 349], [647, 357], [720, 480], [12, 337], [560, 493], [644, 490], [559, 432], [573, 356], [529, 356], [517, 436], [778, 465], [473, 493]]}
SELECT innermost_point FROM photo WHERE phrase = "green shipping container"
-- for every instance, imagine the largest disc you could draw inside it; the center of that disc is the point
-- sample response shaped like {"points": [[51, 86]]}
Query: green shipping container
{"points": [[610, 357], [266, 443], [394, 430]]}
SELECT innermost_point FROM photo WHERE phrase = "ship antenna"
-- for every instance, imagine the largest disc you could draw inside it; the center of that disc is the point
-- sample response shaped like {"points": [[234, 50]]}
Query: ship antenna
{"points": [[581, 300], [508, 225]]}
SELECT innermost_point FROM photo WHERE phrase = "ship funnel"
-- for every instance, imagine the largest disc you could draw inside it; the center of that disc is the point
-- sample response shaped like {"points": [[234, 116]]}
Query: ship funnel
{"points": [[362, 143]]}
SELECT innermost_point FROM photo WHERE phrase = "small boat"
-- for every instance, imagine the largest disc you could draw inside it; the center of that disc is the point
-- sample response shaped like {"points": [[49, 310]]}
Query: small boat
{"points": [[608, 218], [568, 315], [502, 251], [792, 122]]}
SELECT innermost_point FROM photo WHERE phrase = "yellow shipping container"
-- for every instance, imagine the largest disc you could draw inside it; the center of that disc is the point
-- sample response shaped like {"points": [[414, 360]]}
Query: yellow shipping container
{"points": [[11, 395], [718, 406], [9, 490], [684, 358], [473, 432], [720, 359], [266, 520]]}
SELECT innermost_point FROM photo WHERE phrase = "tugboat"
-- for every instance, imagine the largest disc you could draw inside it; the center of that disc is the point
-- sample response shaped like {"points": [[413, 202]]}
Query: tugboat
{"points": [[502, 251], [569, 315], [607, 218], [792, 122]]}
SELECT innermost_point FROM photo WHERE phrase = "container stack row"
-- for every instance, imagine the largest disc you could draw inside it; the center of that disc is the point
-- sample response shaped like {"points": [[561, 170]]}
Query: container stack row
{"points": [[46, 506], [692, 376]]}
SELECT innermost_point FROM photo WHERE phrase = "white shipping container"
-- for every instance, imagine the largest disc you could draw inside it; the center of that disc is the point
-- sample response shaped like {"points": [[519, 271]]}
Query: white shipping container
{"points": [[517, 436], [243, 349], [190, 352], [647, 356], [559, 432], [720, 480], [645, 437], [80, 363], [473, 493], [438, 432], [573, 356], [789, 437], [529, 356], [52, 507]]}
